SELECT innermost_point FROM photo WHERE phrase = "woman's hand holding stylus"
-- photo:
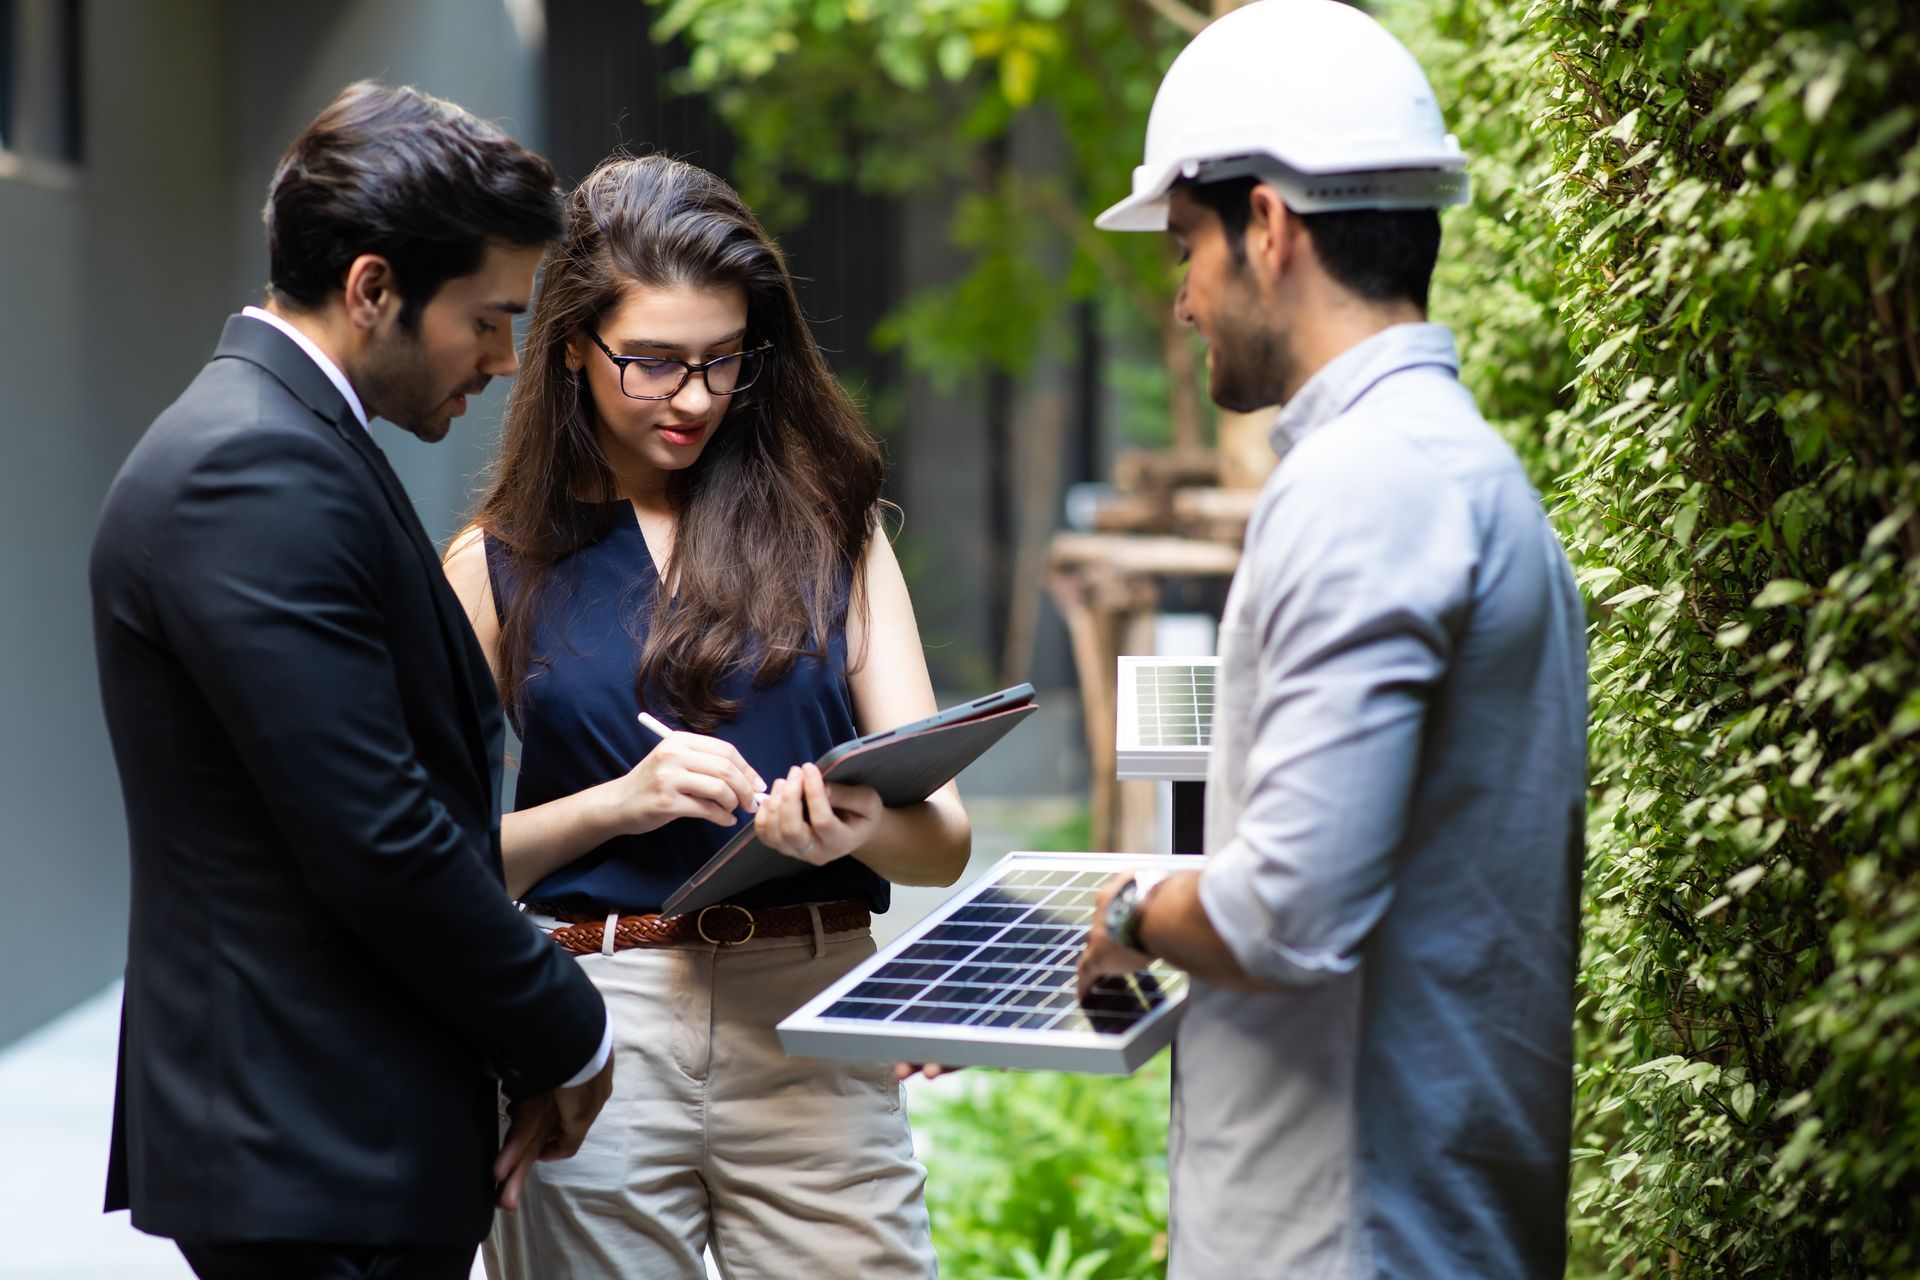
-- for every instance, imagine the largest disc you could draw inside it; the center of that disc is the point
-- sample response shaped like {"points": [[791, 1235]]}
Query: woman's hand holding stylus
{"points": [[688, 775]]}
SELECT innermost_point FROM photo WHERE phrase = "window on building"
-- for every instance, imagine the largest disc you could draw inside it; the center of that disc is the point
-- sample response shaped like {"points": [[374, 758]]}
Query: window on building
{"points": [[39, 85]]}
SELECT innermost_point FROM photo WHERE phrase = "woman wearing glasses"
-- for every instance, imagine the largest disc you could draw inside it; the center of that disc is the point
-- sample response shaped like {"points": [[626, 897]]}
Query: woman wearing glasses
{"points": [[684, 521]]}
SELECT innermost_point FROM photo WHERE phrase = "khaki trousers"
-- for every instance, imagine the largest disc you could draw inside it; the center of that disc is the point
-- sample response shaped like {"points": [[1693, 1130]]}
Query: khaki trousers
{"points": [[787, 1167]]}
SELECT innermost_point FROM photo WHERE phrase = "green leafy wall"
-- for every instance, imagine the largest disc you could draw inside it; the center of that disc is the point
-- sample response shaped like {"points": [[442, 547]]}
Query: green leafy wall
{"points": [[1689, 291]]}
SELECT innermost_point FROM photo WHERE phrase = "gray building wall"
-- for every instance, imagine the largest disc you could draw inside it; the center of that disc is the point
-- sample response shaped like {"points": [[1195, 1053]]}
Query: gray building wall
{"points": [[114, 286], [292, 56]]}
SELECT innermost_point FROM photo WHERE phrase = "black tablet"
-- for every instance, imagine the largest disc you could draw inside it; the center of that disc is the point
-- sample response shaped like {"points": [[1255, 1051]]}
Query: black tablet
{"points": [[905, 765]]}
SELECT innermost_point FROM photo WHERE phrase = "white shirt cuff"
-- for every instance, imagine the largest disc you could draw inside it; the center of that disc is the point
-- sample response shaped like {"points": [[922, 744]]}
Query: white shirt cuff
{"points": [[600, 1057]]}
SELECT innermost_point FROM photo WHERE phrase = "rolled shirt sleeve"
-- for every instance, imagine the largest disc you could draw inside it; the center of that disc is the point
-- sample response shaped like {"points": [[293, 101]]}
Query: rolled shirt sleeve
{"points": [[1359, 569]]}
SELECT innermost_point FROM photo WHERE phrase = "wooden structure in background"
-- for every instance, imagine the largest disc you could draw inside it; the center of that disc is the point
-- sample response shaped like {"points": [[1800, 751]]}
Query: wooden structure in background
{"points": [[1178, 513], [1107, 587]]}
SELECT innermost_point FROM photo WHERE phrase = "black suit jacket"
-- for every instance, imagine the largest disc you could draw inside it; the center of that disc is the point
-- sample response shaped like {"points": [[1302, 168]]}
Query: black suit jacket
{"points": [[322, 964]]}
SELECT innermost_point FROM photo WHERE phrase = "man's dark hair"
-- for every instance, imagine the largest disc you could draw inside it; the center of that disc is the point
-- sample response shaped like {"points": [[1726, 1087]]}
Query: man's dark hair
{"points": [[416, 179], [1384, 255]]}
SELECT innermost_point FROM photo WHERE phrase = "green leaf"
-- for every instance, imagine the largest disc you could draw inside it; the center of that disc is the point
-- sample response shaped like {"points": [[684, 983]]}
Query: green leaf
{"points": [[955, 55], [902, 64], [1781, 591], [1907, 720], [1606, 350], [1823, 89], [1886, 529], [1632, 595], [1686, 520], [1019, 72]]}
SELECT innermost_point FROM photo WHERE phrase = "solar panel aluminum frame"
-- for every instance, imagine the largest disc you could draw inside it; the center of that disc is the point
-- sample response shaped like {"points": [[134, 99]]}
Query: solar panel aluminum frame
{"points": [[1133, 760], [808, 1033]]}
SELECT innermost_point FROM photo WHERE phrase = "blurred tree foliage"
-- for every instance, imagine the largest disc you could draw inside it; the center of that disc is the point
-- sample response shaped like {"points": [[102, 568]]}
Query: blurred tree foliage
{"points": [[920, 97], [1689, 289]]}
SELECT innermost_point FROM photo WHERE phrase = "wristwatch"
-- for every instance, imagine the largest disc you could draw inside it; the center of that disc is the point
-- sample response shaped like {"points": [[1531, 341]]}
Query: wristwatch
{"points": [[1127, 907]]}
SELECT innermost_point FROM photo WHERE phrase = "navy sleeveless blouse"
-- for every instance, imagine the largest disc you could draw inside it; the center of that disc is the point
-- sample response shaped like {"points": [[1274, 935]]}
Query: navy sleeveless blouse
{"points": [[578, 724]]}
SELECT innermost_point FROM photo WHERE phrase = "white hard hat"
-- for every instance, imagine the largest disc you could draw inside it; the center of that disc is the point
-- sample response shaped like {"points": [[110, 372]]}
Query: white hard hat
{"points": [[1313, 96]]}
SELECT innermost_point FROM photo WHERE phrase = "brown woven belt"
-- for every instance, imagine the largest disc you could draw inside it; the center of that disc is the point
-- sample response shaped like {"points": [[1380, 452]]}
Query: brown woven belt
{"points": [[724, 924]]}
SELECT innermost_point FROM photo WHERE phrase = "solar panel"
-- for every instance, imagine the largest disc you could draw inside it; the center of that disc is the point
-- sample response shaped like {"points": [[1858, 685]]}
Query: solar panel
{"points": [[1164, 720], [988, 980]]}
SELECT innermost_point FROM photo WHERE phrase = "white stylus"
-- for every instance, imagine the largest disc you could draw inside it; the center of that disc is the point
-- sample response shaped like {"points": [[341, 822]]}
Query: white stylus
{"points": [[653, 722]]}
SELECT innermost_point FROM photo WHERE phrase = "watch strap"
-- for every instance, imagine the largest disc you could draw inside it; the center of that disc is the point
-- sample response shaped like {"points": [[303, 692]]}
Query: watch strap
{"points": [[1144, 883]]}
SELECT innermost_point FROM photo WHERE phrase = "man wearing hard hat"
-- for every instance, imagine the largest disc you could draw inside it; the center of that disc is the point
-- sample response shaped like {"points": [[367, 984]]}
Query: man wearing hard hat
{"points": [[1375, 1065]]}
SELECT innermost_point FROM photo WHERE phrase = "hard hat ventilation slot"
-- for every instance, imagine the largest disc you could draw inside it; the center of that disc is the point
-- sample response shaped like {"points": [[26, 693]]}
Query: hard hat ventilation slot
{"points": [[1319, 193], [1398, 189]]}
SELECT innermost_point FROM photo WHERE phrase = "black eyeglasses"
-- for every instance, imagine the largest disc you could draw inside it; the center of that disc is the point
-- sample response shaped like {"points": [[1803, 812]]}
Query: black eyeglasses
{"points": [[662, 377]]}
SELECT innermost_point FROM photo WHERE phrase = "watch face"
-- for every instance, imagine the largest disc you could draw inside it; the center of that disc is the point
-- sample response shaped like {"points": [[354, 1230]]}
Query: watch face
{"points": [[1120, 907]]}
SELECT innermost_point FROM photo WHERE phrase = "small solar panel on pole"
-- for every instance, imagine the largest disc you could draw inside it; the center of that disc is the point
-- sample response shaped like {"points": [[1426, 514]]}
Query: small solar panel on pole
{"points": [[1163, 731]]}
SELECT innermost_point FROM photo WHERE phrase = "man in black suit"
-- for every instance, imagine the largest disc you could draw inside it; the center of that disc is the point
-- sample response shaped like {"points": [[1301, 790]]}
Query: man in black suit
{"points": [[325, 978]]}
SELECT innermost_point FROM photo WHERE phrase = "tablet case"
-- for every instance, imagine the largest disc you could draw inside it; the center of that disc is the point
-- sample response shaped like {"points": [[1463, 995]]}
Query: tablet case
{"points": [[905, 765]]}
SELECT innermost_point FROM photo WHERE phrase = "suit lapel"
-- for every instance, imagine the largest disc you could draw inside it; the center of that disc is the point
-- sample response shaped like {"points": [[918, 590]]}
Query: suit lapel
{"points": [[261, 344], [483, 731]]}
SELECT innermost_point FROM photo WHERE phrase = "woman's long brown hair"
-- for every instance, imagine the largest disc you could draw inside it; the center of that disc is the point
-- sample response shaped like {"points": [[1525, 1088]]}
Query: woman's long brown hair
{"points": [[774, 518]]}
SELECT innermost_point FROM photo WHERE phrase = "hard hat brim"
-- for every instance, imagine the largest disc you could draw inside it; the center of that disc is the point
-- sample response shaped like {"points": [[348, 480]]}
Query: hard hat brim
{"points": [[1136, 213], [1146, 208]]}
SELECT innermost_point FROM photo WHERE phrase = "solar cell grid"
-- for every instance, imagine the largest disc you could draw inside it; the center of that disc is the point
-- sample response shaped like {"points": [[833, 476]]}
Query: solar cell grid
{"points": [[1004, 959], [1175, 704], [1164, 721], [988, 979]]}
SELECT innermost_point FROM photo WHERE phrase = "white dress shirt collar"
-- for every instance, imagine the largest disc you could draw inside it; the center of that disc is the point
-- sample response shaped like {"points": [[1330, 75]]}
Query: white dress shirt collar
{"points": [[328, 367]]}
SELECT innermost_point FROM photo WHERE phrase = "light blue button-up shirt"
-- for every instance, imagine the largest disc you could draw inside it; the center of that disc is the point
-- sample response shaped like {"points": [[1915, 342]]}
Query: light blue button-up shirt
{"points": [[1394, 830]]}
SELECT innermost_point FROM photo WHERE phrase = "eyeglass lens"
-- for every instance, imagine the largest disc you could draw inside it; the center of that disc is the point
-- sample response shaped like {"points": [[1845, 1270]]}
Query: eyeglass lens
{"points": [[661, 379]]}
